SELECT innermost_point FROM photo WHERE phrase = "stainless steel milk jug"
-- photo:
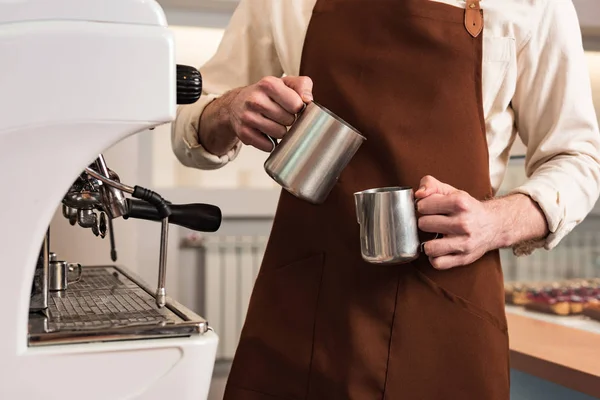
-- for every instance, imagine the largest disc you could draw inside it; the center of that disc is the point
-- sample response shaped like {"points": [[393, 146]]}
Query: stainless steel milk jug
{"points": [[388, 225], [311, 156]]}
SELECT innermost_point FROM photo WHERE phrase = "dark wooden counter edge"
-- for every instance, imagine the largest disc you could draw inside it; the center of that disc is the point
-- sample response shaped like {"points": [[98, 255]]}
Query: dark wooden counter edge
{"points": [[559, 374], [545, 368]]}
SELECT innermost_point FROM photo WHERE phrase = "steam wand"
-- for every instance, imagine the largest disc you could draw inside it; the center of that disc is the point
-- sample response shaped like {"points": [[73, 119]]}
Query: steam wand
{"points": [[161, 294], [164, 212], [113, 249]]}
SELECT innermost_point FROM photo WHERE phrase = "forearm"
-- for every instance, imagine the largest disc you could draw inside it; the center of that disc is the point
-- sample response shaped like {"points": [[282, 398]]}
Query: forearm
{"points": [[216, 133], [518, 220]]}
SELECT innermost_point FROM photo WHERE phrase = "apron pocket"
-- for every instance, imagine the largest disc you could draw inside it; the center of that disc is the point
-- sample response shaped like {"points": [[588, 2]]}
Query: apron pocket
{"points": [[444, 348], [274, 354], [463, 303]]}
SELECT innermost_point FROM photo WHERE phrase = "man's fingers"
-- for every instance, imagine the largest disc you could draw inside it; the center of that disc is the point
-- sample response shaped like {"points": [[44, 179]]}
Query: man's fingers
{"points": [[268, 108], [448, 245], [430, 185], [444, 204], [441, 224], [449, 261], [278, 114], [281, 94], [261, 103], [435, 204], [253, 137], [265, 125], [302, 85]]}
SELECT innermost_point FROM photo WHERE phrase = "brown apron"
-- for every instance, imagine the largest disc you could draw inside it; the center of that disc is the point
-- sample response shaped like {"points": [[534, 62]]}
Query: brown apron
{"points": [[324, 325]]}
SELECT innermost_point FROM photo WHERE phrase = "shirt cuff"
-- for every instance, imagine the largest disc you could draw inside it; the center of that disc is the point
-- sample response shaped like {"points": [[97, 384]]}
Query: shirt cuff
{"points": [[548, 199], [185, 143]]}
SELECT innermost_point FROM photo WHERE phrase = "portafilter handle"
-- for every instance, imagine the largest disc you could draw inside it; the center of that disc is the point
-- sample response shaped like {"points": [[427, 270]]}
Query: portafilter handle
{"points": [[197, 217]]}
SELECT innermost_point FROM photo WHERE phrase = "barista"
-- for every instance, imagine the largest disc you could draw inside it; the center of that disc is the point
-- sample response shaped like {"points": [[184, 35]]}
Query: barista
{"points": [[440, 89]]}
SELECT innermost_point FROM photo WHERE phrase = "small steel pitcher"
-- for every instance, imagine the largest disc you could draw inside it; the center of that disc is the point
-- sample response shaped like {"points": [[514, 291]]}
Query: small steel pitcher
{"points": [[59, 273], [388, 225]]}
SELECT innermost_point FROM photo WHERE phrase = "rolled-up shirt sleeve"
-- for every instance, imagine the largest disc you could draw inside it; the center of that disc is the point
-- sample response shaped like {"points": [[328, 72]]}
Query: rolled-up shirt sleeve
{"points": [[556, 120], [245, 55]]}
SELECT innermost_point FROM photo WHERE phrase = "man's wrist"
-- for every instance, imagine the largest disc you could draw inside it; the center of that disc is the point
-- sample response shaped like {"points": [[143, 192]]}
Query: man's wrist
{"points": [[516, 219], [215, 131]]}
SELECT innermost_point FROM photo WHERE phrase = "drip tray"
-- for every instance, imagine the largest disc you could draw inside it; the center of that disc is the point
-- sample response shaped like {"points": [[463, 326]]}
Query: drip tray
{"points": [[109, 304]]}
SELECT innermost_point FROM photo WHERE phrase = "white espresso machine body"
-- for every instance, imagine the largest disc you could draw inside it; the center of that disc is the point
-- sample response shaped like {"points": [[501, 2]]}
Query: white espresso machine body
{"points": [[76, 77]]}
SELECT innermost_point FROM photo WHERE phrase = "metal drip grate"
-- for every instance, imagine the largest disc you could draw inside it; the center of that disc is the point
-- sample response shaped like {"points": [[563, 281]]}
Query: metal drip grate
{"points": [[103, 299], [107, 304]]}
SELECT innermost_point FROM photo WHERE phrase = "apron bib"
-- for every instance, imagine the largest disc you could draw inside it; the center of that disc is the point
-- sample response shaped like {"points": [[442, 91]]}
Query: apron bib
{"points": [[324, 325]]}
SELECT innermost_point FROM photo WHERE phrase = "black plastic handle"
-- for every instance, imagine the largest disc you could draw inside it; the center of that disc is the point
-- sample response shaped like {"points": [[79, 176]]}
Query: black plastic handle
{"points": [[197, 217], [189, 84]]}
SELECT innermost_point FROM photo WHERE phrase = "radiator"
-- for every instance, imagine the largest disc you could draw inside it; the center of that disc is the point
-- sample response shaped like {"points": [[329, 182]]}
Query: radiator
{"points": [[577, 256], [230, 264]]}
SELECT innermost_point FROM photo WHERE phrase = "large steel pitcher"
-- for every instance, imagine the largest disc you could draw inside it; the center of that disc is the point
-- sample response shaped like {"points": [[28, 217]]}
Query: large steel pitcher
{"points": [[311, 156]]}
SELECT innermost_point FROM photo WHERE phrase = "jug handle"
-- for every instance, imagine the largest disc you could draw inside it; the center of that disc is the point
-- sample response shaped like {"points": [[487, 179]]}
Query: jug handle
{"points": [[437, 235], [275, 141], [72, 267], [358, 207]]}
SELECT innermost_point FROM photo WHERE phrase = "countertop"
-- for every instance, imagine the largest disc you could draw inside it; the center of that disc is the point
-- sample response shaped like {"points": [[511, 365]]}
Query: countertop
{"points": [[563, 350]]}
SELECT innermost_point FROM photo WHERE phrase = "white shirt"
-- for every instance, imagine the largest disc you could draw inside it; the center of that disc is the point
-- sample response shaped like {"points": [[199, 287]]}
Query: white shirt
{"points": [[535, 85]]}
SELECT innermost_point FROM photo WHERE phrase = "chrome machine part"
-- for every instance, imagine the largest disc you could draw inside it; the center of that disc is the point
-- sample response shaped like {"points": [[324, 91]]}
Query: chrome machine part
{"points": [[86, 218], [110, 304], [160, 295], [113, 199], [113, 247], [117, 185], [102, 226], [161, 292], [81, 199], [70, 214]]}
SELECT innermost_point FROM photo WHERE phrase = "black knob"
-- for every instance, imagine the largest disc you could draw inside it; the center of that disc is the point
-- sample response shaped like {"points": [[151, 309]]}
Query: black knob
{"points": [[197, 217], [189, 84]]}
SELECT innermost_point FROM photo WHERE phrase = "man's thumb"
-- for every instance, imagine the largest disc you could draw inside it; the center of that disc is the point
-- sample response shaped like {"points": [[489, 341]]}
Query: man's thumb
{"points": [[302, 85], [429, 185]]}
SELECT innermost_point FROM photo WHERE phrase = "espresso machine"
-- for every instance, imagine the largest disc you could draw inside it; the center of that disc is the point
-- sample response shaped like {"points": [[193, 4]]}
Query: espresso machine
{"points": [[76, 77]]}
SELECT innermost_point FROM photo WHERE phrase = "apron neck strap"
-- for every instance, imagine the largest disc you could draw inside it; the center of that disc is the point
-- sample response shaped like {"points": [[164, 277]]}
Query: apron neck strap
{"points": [[473, 17]]}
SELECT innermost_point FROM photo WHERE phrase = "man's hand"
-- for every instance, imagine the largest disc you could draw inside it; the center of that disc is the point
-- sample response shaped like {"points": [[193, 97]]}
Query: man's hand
{"points": [[267, 107], [468, 226]]}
